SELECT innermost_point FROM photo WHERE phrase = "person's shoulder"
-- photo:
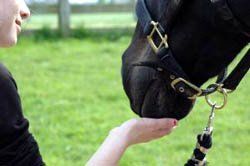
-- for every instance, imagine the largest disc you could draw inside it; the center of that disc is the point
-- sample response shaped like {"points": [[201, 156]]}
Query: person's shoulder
{"points": [[4, 72], [6, 76]]}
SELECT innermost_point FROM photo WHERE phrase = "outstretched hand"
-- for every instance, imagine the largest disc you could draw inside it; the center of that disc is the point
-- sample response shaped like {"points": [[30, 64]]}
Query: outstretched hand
{"points": [[129, 133], [144, 130]]}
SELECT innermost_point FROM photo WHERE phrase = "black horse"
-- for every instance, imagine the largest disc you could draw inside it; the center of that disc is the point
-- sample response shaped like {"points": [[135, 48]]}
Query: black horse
{"points": [[205, 38]]}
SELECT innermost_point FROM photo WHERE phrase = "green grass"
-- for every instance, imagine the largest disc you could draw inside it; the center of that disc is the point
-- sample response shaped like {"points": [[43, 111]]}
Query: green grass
{"points": [[72, 94], [96, 20]]}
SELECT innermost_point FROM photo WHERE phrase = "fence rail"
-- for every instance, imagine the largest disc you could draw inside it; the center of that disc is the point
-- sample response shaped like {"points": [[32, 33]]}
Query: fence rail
{"points": [[64, 10], [100, 8]]}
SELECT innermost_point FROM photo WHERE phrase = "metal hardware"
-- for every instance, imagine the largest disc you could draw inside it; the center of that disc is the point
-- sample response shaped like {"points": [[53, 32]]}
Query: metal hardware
{"points": [[209, 127], [197, 89], [159, 69], [214, 104], [172, 77], [162, 37], [181, 89], [229, 91]]}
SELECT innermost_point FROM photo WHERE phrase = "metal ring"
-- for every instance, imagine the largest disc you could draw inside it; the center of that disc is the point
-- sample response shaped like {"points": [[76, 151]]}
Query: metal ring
{"points": [[214, 104], [229, 91]]}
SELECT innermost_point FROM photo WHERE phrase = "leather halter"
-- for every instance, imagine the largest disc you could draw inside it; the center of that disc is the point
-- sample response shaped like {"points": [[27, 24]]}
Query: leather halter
{"points": [[172, 71]]}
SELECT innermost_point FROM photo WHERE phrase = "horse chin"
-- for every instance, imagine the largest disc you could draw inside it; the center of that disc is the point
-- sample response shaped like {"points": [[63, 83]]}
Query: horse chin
{"points": [[151, 97]]}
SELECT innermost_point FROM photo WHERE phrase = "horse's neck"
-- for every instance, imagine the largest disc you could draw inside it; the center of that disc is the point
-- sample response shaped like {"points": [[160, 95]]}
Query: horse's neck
{"points": [[202, 49], [203, 54], [214, 56]]}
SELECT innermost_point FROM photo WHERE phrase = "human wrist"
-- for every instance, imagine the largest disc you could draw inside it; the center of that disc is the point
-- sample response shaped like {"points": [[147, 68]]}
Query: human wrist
{"points": [[111, 149], [120, 136]]}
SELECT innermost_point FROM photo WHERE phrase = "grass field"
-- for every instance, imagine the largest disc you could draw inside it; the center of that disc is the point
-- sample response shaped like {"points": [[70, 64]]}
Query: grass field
{"points": [[72, 94]]}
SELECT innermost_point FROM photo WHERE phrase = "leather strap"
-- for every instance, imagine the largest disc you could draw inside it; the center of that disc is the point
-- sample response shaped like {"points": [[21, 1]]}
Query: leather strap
{"points": [[170, 63], [144, 17], [165, 54], [222, 76], [239, 72]]}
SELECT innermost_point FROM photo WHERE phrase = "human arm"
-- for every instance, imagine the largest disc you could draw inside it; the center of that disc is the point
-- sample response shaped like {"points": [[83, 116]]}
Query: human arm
{"points": [[15, 137], [132, 132]]}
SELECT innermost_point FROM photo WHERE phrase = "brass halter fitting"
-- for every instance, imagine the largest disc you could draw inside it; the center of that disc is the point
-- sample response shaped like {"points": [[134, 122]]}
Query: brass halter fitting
{"points": [[222, 91], [187, 83], [163, 38]]}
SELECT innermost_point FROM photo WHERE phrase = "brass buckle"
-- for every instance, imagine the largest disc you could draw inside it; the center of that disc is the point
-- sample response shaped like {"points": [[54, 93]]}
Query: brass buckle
{"points": [[162, 37], [197, 89]]}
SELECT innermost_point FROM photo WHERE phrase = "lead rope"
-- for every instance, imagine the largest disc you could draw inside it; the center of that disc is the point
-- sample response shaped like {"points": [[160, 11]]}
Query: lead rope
{"points": [[204, 140]]}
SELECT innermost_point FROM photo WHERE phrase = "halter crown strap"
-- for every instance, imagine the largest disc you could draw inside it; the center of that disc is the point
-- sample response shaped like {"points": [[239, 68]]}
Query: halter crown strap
{"points": [[144, 16]]}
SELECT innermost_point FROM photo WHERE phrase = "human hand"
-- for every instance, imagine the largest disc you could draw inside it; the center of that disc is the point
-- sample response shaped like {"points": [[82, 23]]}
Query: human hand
{"points": [[129, 133], [143, 130]]}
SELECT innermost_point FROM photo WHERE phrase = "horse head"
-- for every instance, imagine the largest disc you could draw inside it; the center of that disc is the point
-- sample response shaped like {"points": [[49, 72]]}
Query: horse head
{"points": [[205, 38]]}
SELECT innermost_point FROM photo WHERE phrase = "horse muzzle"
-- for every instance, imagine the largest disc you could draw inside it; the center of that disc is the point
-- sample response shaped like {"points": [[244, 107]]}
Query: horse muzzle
{"points": [[151, 97]]}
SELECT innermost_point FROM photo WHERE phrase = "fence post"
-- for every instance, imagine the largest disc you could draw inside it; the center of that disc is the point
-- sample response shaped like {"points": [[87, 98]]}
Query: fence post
{"points": [[133, 2], [64, 17]]}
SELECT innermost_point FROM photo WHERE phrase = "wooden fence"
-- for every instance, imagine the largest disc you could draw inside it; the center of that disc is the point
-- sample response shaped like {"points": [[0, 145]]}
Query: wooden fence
{"points": [[105, 8], [64, 10]]}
